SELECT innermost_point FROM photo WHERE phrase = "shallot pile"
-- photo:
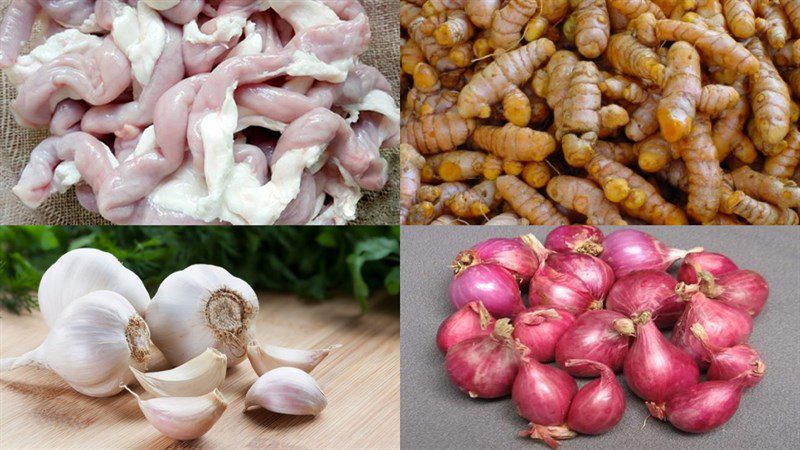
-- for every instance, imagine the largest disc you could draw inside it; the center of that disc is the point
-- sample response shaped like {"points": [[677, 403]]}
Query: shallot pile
{"points": [[106, 334], [600, 305], [232, 111]]}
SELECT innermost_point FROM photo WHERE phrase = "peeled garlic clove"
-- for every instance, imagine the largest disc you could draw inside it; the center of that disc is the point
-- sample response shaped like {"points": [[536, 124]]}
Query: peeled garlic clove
{"points": [[183, 418], [86, 270], [207, 303], [286, 390], [268, 357], [199, 376], [92, 344]]}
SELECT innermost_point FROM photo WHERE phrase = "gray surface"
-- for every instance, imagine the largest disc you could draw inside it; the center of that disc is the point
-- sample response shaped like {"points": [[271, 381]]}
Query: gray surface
{"points": [[437, 415]]}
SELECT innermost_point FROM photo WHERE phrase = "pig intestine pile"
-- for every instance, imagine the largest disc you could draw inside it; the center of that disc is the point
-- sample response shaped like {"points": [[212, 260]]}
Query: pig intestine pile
{"points": [[227, 111]]}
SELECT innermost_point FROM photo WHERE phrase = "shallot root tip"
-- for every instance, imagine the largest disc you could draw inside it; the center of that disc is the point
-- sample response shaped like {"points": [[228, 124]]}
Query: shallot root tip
{"points": [[657, 410]]}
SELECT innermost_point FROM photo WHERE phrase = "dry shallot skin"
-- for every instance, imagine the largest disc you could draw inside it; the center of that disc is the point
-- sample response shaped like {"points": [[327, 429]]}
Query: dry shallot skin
{"points": [[725, 325], [491, 284], [539, 328], [542, 395], [517, 255], [573, 281], [647, 290], [602, 336], [702, 407], [599, 405], [743, 289], [713, 263], [575, 239], [654, 368], [729, 363], [471, 321], [629, 250], [486, 366]]}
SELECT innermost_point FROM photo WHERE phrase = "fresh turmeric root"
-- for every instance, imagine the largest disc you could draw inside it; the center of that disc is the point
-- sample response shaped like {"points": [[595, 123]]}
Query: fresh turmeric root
{"points": [[621, 152], [508, 22], [653, 209], [480, 11], [654, 153], [501, 79], [681, 92], [536, 174], [632, 9], [773, 23], [474, 202], [718, 48], [769, 95], [436, 133], [758, 213], [740, 18], [644, 119], [458, 165], [433, 7], [783, 164], [631, 57], [411, 163], [592, 27], [618, 87], [528, 203], [703, 170], [643, 28], [514, 143], [582, 196], [423, 104], [456, 30], [766, 188]]}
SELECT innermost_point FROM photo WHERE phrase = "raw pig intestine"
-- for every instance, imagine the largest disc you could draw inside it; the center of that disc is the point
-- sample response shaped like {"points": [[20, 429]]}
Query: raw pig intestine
{"points": [[232, 111]]}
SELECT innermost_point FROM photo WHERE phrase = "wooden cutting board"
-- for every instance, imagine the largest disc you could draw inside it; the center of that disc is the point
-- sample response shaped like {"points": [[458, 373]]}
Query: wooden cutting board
{"points": [[361, 380]]}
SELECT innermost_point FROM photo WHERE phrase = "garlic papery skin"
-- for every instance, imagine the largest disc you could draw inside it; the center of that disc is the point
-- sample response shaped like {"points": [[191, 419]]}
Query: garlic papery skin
{"points": [[199, 307], [286, 390], [85, 270], [267, 357], [183, 418], [92, 344], [198, 376]]}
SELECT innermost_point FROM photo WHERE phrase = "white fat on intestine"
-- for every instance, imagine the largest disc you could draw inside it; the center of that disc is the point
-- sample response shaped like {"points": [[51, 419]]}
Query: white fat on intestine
{"points": [[228, 27], [67, 41], [252, 44], [141, 35]]}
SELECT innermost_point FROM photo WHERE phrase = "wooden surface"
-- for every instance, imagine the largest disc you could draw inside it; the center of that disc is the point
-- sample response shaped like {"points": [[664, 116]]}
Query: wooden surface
{"points": [[361, 380]]}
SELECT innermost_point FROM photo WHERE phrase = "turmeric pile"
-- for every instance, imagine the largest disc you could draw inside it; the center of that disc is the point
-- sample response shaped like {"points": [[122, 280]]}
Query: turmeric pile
{"points": [[606, 112]]}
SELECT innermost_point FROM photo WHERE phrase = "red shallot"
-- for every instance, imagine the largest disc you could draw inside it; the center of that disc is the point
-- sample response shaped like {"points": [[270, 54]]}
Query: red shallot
{"points": [[628, 250], [575, 239], [472, 320], [542, 395], [514, 254], [598, 406], [701, 407], [489, 283], [485, 366], [744, 289], [654, 368], [539, 328], [725, 326], [602, 336], [573, 281], [647, 290], [713, 263], [729, 363]]}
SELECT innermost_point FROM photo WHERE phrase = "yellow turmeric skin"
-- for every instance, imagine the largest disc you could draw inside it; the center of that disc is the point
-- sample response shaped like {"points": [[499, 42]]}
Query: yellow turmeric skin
{"points": [[474, 202], [631, 57], [514, 143], [681, 92], [784, 163], [528, 203], [718, 48], [769, 97], [508, 22], [501, 79], [592, 27], [766, 188], [703, 170], [436, 133], [582, 196]]}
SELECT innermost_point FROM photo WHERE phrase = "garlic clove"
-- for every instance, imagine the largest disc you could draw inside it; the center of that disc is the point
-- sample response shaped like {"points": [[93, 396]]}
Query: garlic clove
{"points": [[267, 357], [286, 390], [199, 376], [183, 418]]}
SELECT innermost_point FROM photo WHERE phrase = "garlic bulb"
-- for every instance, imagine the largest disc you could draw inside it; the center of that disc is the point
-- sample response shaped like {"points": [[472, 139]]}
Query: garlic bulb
{"points": [[86, 270], [183, 418], [199, 307], [199, 376], [268, 357], [92, 344], [286, 390]]}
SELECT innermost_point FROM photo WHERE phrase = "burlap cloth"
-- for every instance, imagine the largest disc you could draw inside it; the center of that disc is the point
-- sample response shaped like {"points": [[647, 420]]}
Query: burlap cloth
{"points": [[376, 208]]}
